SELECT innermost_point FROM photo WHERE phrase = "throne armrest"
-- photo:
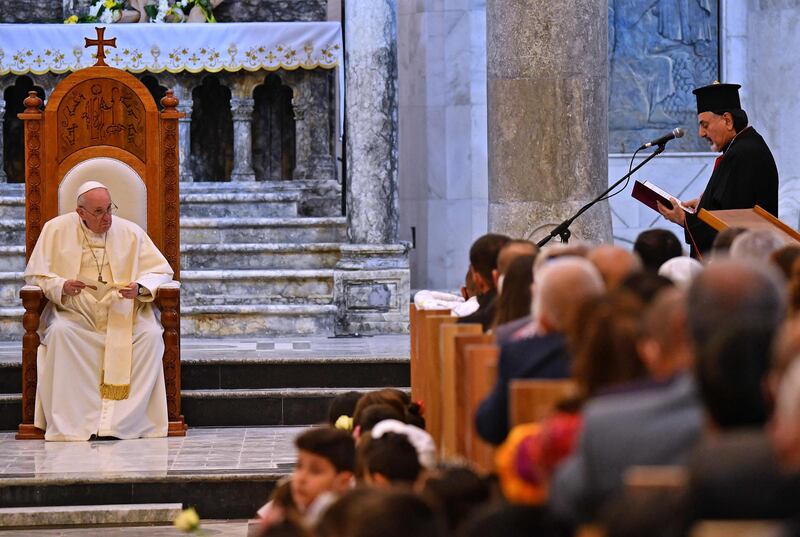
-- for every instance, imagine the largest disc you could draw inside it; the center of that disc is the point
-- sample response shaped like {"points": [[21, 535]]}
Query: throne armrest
{"points": [[167, 300], [34, 301]]}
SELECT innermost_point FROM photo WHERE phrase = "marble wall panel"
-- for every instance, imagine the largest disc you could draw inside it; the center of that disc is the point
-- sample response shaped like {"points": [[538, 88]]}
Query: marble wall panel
{"points": [[772, 67]]}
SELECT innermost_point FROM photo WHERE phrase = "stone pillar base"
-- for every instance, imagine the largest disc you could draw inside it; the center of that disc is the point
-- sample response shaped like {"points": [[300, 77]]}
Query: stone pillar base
{"points": [[372, 288], [534, 220]]}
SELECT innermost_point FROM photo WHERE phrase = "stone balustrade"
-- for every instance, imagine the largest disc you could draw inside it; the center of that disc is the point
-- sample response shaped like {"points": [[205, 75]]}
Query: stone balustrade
{"points": [[312, 108]]}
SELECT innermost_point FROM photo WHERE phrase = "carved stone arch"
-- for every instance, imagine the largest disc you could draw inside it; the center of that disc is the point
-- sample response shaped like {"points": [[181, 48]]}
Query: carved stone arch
{"points": [[211, 130], [13, 130], [274, 130]]}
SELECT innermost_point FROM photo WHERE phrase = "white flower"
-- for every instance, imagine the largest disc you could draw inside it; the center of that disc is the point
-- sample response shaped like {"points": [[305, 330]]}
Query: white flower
{"points": [[184, 3], [95, 8], [107, 17]]}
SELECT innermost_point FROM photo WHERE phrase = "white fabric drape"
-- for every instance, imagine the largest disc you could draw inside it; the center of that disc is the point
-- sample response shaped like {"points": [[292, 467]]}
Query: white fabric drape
{"points": [[58, 48]]}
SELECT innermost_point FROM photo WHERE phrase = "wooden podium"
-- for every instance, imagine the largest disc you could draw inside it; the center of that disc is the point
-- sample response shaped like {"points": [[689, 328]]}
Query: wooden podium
{"points": [[750, 219]]}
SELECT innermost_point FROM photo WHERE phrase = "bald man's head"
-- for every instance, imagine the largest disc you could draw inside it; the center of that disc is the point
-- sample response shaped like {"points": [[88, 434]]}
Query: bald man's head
{"points": [[614, 263], [560, 287]]}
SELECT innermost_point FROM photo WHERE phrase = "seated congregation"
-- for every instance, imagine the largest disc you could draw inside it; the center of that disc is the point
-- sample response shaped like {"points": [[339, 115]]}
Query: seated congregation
{"points": [[624, 393]]}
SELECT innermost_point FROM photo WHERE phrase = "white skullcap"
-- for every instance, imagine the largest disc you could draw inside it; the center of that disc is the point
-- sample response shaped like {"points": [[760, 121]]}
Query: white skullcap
{"points": [[681, 270], [421, 440], [87, 186]]}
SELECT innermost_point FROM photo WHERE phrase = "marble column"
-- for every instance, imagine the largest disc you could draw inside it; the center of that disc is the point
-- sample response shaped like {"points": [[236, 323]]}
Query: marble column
{"points": [[371, 116], [242, 111], [182, 86], [302, 146], [317, 117], [3, 178], [547, 75], [185, 140]]}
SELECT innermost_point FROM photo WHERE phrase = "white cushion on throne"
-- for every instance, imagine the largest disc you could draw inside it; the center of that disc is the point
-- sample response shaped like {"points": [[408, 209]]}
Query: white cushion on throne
{"points": [[127, 189]]}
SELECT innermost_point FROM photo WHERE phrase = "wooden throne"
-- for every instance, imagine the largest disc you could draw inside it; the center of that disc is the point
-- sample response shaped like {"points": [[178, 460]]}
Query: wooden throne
{"points": [[103, 123]]}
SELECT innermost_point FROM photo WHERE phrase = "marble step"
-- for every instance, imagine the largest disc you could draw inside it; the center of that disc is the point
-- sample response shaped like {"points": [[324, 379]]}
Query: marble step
{"points": [[257, 320], [244, 369], [219, 287], [12, 258], [225, 256], [239, 204], [254, 230], [213, 204], [258, 256], [10, 284], [88, 515], [12, 205], [219, 494], [229, 230], [239, 287], [231, 407], [226, 407], [215, 320]]}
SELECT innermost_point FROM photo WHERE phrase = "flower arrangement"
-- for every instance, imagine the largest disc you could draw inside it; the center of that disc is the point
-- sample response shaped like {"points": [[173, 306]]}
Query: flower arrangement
{"points": [[105, 11], [180, 10], [157, 11]]}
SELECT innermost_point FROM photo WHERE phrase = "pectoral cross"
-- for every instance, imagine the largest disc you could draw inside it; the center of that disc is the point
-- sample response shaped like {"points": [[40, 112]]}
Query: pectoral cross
{"points": [[100, 43]]}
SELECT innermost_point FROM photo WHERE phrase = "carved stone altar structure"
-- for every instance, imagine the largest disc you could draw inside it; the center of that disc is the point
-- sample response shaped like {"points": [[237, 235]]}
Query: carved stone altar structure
{"points": [[265, 247]]}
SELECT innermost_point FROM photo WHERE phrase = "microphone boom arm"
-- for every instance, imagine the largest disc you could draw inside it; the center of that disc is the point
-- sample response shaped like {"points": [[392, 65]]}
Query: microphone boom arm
{"points": [[562, 229]]}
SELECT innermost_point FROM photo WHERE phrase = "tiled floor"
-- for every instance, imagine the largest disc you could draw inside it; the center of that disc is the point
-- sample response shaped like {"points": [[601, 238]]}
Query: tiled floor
{"points": [[217, 528], [222, 451], [390, 346]]}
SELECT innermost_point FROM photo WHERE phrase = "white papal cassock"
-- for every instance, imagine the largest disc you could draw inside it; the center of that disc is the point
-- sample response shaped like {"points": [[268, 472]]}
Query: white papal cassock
{"points": [[76, 356]]}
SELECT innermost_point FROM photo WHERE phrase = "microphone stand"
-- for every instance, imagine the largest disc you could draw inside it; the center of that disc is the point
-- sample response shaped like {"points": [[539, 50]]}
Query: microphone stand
{"points": [[562, 229]]}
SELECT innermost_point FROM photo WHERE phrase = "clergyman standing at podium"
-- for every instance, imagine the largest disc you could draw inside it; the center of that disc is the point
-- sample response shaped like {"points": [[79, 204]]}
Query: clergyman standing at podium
{"points": [[744, 174]]}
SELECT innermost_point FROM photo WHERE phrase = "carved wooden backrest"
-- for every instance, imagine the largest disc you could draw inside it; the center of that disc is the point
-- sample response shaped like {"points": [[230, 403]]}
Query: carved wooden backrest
{"points": [[104, 112], [126, 187]]}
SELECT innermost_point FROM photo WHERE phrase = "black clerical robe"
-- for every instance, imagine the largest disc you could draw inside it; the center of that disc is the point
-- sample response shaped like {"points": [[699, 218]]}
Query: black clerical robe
{"points": [[744, 175]]}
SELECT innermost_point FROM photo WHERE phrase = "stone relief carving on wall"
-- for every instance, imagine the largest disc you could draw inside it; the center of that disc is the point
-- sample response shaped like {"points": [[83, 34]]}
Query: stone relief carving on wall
{"points": [[659, 50]]}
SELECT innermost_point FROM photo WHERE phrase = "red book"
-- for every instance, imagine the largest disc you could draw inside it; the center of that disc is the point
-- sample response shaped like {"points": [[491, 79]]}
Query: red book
{"points": [[649, 194]]}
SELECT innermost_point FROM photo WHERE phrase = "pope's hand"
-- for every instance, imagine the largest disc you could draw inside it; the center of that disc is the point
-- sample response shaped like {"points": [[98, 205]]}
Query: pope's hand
{"points": [[676, 214], [72, 287], [131, 291]]}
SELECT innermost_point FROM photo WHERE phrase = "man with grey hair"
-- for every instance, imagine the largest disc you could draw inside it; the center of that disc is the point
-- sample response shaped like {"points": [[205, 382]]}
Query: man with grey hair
{"points": [[757, 244], [559, 288]]}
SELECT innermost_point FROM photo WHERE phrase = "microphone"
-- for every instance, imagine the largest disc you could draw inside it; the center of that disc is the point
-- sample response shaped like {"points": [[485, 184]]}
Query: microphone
{"points": [[677, 132]]}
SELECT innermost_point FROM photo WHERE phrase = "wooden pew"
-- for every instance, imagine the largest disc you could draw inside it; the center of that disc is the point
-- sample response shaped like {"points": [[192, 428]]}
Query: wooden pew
{"points": [[736, 528], [430, 365], [480, 373], [532, 400], [463, 420], [417, 333], [450, 376]]}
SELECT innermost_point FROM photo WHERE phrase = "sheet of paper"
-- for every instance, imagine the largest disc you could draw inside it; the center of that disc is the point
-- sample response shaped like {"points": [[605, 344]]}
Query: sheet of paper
{"points": [[98, 289]]}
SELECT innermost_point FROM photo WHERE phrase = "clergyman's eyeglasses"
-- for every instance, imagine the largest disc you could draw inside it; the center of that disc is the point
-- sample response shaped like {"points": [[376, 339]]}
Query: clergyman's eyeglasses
{"points": [[100, 213]]}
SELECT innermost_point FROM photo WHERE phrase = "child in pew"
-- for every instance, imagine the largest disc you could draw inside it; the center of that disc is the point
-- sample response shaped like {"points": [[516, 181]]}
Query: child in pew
{"points": [[324, 469], [388, 461], [403, 408]]}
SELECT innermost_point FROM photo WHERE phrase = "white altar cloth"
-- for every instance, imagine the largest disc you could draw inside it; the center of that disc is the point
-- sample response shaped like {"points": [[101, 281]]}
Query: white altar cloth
{"points": [[192, 47]]}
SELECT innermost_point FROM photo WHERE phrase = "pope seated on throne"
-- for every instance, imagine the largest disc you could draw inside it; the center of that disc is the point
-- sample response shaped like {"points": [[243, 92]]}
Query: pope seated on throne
{"points": [[99, 365]]}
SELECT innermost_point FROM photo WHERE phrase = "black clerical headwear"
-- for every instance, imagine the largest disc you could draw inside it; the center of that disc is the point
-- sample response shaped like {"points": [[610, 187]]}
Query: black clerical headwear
{"points": [[718, 97]]}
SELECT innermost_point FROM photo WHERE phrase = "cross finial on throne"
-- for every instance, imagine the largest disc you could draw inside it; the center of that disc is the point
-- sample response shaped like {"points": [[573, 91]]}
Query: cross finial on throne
{"points": [[100, 43]]}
